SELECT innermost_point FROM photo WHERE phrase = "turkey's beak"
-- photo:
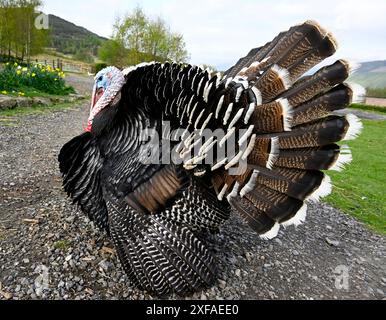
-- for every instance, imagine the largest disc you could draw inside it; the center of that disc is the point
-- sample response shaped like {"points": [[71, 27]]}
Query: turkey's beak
{"points": [[99, 93]]}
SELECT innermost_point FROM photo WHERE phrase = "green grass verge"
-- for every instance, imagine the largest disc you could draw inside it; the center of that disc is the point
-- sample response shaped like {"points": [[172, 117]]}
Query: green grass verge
{"points": [[375, 109], [360, 190], [24, 111], [31, 93]]}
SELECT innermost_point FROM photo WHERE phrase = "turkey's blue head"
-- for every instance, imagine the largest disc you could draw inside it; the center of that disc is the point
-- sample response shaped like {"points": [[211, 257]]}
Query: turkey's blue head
{"points": [[108, 84]]}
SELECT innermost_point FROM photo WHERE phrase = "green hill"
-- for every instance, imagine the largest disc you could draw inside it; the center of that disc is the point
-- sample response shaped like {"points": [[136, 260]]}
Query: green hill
{"points": [[70, 39], [371, 74]]}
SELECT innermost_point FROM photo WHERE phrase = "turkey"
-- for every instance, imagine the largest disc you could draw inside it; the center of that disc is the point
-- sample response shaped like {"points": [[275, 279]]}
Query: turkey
{"points": [[170, 150]]}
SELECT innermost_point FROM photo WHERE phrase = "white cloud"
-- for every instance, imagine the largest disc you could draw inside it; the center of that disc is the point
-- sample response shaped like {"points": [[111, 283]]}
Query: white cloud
{"points": [[218, 32]]}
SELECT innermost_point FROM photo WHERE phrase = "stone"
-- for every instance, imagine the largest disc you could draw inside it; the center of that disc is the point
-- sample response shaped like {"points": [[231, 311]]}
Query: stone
{"points": [[332, 242], [41, 101], [222, 284], [7, 102]]}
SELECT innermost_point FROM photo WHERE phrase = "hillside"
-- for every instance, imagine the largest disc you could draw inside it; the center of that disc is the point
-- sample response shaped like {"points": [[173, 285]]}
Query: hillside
{"points": [[371, 74], [70, 39]]}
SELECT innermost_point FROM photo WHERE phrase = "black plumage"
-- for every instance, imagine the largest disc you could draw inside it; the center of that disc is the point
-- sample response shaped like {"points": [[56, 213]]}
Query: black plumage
{"points": [[282, 129]]}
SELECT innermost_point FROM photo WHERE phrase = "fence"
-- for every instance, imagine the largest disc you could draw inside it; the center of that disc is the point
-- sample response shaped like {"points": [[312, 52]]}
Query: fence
{"points": [[66, 66]]}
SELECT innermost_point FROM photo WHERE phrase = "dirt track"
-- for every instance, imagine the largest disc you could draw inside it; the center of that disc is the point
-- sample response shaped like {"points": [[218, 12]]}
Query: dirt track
{"points": [[48, 249]]}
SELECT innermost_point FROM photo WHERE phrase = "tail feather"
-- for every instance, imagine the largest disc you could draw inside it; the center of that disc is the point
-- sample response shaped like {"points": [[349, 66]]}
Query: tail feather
{"points": [[290, 133], [294, 133], [326, 78], [337, 98]]}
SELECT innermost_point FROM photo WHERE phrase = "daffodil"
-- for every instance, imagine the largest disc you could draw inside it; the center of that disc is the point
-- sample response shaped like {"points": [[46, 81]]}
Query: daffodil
{"points": [[33, 75], [21, 94], [4, 92], [24, 69], [18, 72], [15, 64]]}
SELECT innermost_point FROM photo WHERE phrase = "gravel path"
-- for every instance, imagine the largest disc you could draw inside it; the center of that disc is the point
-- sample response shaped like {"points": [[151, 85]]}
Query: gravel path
{"points": [[49, 250], [362, 114]]}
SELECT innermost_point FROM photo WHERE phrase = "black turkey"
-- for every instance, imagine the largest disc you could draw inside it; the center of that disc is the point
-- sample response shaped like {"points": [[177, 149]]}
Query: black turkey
{"points": [[171, 148]]}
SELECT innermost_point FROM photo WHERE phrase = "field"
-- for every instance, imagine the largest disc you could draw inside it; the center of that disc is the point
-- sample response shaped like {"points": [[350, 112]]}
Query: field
{"points": [[373, 109], [361, 189]]}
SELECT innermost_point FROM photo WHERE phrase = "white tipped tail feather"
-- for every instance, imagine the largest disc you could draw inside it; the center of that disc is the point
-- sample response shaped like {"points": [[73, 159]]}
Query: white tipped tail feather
{"points": [[324, 190], [345, 157], [275, 152], [298, 219], [271, 234], [358, 92], [284, 75], [287, 114], [250, 185], [353, 66], [355, 127]]}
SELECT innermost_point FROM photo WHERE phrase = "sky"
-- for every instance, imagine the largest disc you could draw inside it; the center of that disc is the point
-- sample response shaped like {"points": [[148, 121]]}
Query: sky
{"points": [[219, 32]]}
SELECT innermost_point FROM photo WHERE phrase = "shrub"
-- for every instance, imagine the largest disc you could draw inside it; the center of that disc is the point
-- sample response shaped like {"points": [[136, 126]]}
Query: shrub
{"points": [[376, 92], [99, 66], [42, 78]]}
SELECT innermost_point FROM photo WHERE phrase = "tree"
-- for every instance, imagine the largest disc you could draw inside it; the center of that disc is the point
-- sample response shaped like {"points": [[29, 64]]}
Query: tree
{"points": [[18, 35], [114, 53], [136, 38]]}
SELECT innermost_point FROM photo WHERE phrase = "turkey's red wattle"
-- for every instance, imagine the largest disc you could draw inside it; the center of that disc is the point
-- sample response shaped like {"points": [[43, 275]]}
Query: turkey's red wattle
{"points": [[89, 126]]}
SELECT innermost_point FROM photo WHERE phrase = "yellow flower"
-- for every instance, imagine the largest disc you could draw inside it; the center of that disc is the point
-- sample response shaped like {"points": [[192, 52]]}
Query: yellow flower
{"points": [[18, 72], [15, 64], [7, 64], [33, 75], [21, 94], [4, 92], [24, 69]]}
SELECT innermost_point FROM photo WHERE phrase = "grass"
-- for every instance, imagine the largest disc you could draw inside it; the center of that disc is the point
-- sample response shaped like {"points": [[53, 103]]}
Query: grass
{"points": [[61, 245], [14, 78], [24, 111], [31, 93], [8, 122], [375, 109], [361, 189]]}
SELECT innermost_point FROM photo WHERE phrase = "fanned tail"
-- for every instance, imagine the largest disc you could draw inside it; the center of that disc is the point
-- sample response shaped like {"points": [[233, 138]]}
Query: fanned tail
{"points": [[279, 118], [294, 134]]}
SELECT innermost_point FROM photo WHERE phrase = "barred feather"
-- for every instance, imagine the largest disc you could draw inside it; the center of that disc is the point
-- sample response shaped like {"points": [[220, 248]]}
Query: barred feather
{"points": [[279, 120]]}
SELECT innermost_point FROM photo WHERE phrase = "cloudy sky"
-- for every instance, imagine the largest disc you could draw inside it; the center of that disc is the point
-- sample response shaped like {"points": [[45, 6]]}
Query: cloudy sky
{"points": [[218, 32]]}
